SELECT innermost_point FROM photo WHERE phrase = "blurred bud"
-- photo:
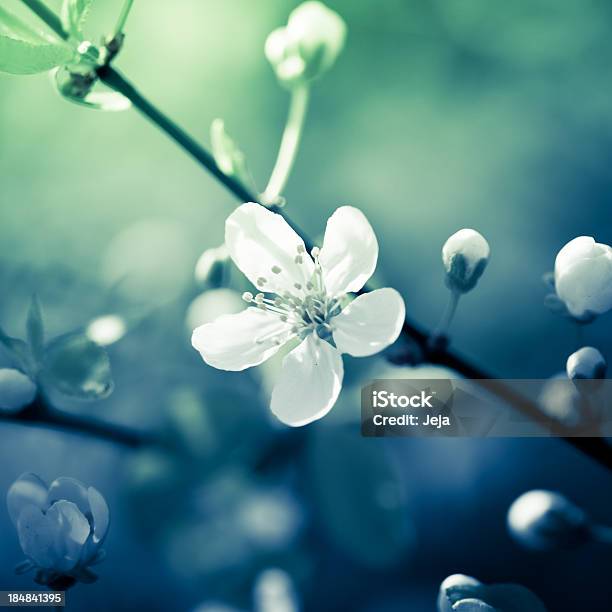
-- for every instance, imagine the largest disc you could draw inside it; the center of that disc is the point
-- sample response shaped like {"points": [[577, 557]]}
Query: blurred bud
{"points": [[466, 594], [587, 363], [309, 44], [230, 159], [465, 256], [560, 400], [106, 330], [210, 305], [16, 390], [61, 528], [583, 277], [543, 520], [210, 266], [274, 592]]}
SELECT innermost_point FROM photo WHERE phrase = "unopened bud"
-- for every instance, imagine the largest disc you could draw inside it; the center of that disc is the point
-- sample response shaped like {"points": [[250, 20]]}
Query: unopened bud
{"points": [[465, 256]]}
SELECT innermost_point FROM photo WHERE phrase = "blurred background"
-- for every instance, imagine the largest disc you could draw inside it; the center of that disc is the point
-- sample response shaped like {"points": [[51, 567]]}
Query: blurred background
{"points": [[438, 115]]}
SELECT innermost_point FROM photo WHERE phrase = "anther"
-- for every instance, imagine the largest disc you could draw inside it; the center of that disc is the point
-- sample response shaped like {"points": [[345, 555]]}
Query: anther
{"points": [[315, 251], [261, 281], [276, 270], [301, 249], [247, 296], [299, 259], [297, 286]]}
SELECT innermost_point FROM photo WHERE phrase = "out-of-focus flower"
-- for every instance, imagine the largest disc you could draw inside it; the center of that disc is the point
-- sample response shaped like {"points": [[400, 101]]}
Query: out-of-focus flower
{"points": [[459, 593], [586, 363], [274, 592], [583, 277], [61, 528], [106, 330], [308, 45], [560, 400], [310, 305], [465, 256], [16, 390], [543, 520]]}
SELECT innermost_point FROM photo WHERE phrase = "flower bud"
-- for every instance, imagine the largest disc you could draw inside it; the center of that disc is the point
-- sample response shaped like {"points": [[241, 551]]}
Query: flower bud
{"points": [[308, 45], [587, 363], [16, 390], [583, 277], [210, 265], [543, 520], [465, 256]]}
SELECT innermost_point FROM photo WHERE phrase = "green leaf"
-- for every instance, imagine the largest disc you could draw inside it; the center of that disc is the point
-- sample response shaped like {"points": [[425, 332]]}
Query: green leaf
{"points": [[230, 159], [35, 329], [27, 50], [77, 367], [73, 15], [18, 351]]}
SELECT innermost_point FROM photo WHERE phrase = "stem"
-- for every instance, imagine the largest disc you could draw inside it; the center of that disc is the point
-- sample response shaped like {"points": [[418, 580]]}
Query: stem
{"points": [[125, 11], [447, 316], [40, 412], [289, 144], [596, 448]]}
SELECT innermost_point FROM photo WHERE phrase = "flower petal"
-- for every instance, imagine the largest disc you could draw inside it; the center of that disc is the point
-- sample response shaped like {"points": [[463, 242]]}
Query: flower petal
{"points": [[73, 529], [309, 383], [100, 513], [38, 536], [265, 248], [239, 341], [69, 489], [350, 251], [27, 490], [582, 247], [586, 286], [369, 323]]}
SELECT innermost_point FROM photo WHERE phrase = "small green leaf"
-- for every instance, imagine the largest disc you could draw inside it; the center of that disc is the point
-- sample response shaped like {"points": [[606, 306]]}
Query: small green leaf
{"points": [[35, 329], [73, 15], [26, 50], [18, 351], [230, 159], [77, 367]]}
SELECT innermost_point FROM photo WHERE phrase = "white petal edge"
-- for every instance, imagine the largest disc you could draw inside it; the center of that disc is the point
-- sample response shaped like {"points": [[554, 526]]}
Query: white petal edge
{"points": [[69, 489], [350, 251], [239, 341], [370, 323], [27, 490], [263, 246], [100, 514], [309, 383]]}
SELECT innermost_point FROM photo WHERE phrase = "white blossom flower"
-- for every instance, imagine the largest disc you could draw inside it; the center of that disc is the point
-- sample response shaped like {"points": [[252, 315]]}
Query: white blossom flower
{"points": [[543, 520], [308, 46], [16, 390], [61, 527], [583, 277], [465, 256], [586, 363], [310, 305]]}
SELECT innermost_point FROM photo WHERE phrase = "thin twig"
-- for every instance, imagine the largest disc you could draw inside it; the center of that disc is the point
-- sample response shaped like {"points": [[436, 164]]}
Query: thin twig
{"points": [[39, 412], [596, 448]]}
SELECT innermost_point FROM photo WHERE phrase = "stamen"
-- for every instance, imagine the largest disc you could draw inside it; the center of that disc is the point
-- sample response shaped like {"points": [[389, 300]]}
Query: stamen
{"points": [[301, 250], [247, 296], [315, 252], [276, 270], [261, 281]]}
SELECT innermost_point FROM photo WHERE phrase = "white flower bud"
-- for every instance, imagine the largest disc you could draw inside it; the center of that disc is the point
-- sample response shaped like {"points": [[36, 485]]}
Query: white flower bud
{"points": [[583, 277], [465, 256], [106, 330], [308, 46], [587, 363], [16, 390], [543, 520]]}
